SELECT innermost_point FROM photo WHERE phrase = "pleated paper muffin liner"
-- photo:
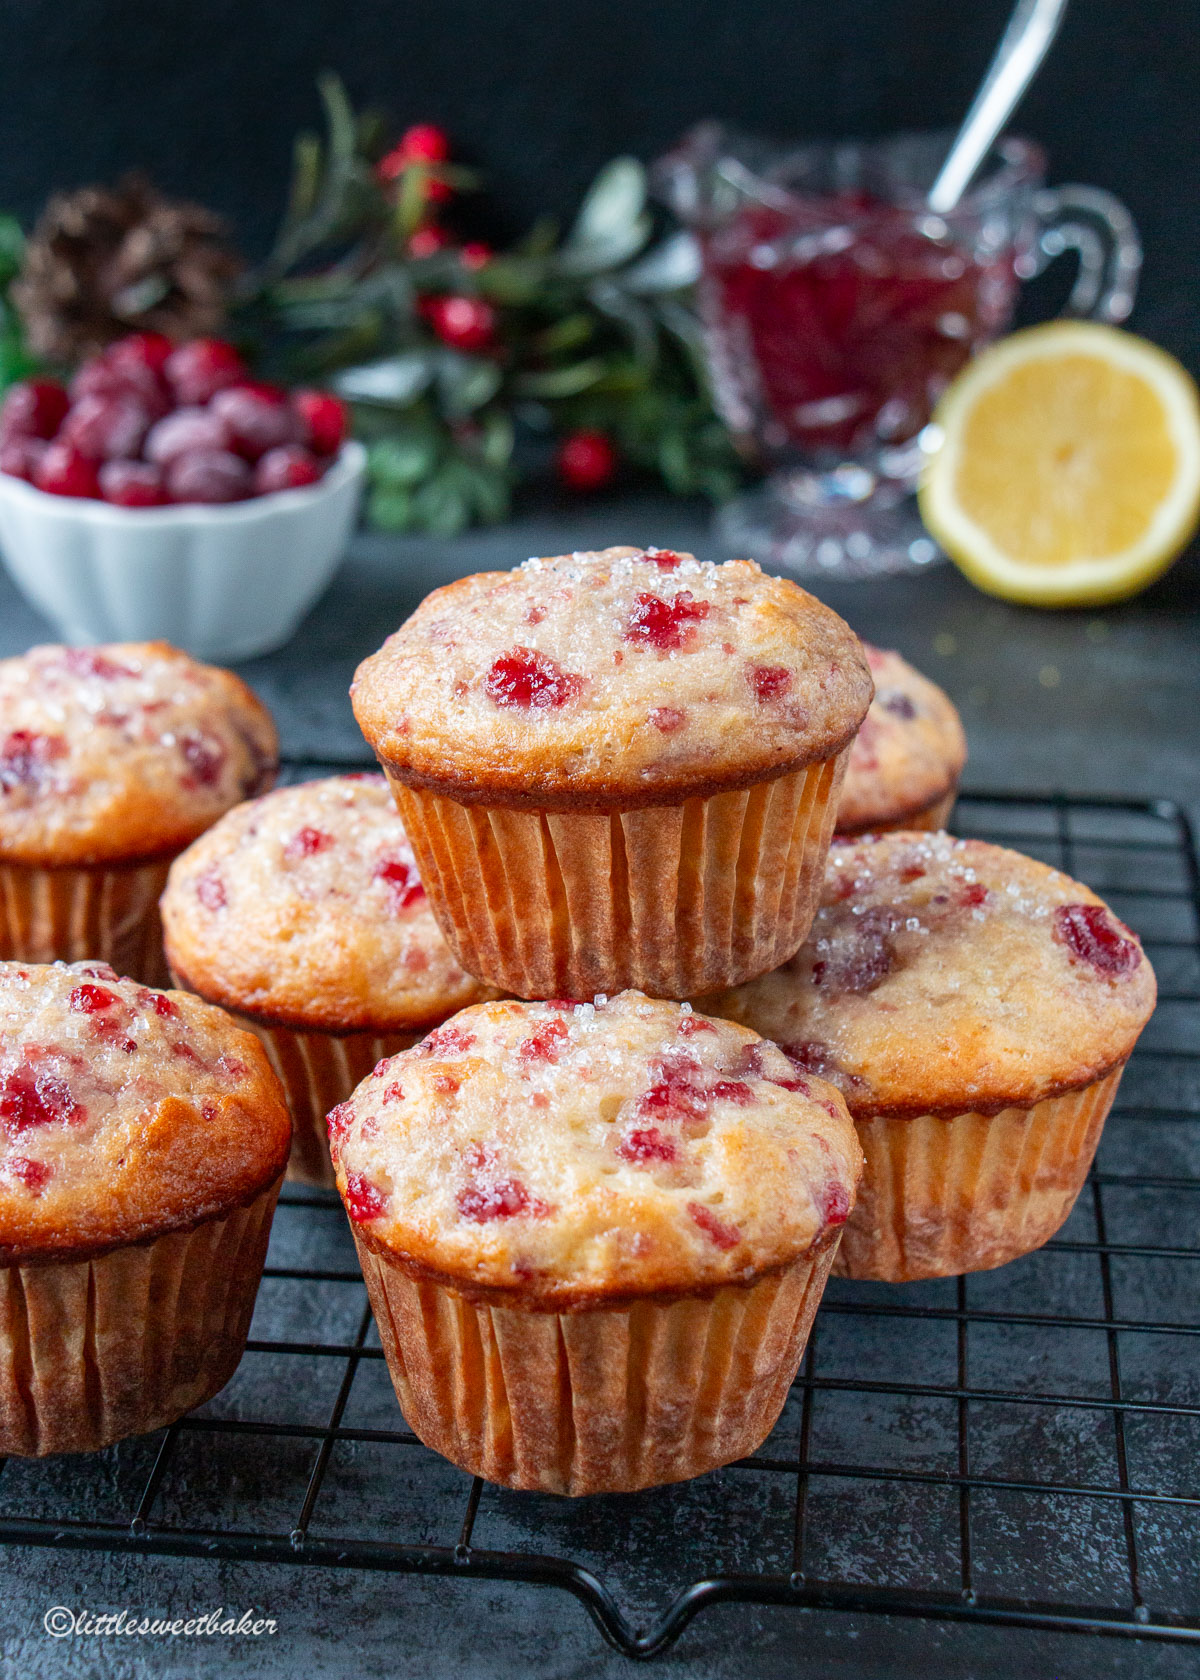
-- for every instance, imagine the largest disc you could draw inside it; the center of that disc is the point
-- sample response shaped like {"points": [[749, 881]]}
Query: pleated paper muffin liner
{"points": [[318, 1070], [943, 1196], [94, 1350], [108, 913], [600, 1400], [674, 900]]}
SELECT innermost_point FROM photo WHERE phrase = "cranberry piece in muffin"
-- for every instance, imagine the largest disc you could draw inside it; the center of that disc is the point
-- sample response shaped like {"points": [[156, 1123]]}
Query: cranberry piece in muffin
{"points": [[908, 756], [976, 1009], [595, 1177], [304, 913], [669, 728], [142, 1143], [111, 760]]}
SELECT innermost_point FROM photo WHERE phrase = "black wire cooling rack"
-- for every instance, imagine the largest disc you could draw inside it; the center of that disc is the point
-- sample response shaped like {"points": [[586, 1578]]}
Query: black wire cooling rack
{"points": [[1017, 1446]]}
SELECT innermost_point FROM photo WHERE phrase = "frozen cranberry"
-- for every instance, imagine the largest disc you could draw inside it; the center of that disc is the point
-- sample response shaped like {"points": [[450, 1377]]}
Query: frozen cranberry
{"points": [[197, 371], [33, 408], [210, 890], [325, 419], [834, 1202], [64, 471], [405, 886], [718, 1230], [524, 677], [29, 1098], [665, 559], [132, 484], [143, 349], [586, 461], [88, 999], [19, 456], [769, 682], [646, 1143], [307, 842], [256, 417], [666, 625], [463, 323], [667, 719], [24, 757], [1092, 934], [291, 467], [446, 1041], [34, 1175], [899, 705], [209, 476], [732, 1090], [862, 957], [499, 1198], [363, 1200], [690, 1024], [204, 756], [106, 428], [186, 430], [546, 1043]]}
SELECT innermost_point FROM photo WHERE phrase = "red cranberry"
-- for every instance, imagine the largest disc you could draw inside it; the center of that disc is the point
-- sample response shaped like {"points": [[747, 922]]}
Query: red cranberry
{"points": [[132, 484], [96, 971], [749, 1060], [971, 895], [64, 471], [256, 418], [587, 461], [834, 1202], [131, 382], [338, 1123], [160, 1003], [24, 757], [525, 677], [718, 1230], [20, 456], [812, 1057], [210, 890], [33, 408], [666, 625], [141, 349], [197, 371], [769, 682], [34, 1175], [1092, 934], [475, 254], [899, 705], [106, 428], [546, 1043], [325, 419], [306, 842], [672, 1099], [209, 476], [422, 143], [204, 756], [363, 1200], [428, 241], [289, 468], [88, 999], [667, 719], [500, 1198], [732, 1090], [393, 1092], [186, 1053], [186, 430], [28, 1098], [665, 559], [690, 1024], [862, 958], [646, 1143], [446, 1041], [405, 886], [464, 323]]}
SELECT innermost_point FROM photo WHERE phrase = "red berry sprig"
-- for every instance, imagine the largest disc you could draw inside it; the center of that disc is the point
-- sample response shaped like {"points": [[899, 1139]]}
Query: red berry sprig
{"points": [[587, 461]]}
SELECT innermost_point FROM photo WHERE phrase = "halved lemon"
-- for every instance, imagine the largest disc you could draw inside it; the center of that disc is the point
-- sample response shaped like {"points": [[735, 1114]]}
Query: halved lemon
{"points": [[1068, 471]]}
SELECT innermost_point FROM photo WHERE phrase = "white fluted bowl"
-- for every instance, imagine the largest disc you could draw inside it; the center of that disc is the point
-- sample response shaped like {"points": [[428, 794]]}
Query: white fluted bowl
{"points": [[221, 582]]}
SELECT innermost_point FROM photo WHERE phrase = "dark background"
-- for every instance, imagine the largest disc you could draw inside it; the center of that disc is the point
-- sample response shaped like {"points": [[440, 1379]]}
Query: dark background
{"points": [[209, 95]]}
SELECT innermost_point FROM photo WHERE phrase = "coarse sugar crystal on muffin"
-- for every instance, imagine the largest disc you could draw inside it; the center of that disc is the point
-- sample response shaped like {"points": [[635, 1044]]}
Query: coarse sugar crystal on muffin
{"points": [[976, 1009], [907, 758], [594, 1235], [617, 768], [143, 1139], [303, 913], [112, 759]]}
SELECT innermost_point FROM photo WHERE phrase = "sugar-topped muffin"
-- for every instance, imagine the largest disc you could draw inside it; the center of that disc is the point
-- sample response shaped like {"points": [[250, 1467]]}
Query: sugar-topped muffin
{"points": [[976, 1009], [142, 1141], [650, 744], [304, 913], [112, 759], [907, 758], [658, 1192]]}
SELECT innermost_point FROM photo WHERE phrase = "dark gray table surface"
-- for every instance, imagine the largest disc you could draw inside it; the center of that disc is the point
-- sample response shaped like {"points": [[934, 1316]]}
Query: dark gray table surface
{"points": [[1087, 702]]}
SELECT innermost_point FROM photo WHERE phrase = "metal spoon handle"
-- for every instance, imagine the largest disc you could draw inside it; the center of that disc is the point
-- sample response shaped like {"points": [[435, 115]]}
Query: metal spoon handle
{"points": [[1025, 43]]}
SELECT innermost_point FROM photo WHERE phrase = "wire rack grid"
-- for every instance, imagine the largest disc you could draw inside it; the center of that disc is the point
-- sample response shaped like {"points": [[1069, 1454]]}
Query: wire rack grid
{"points": [[1014, 1447]]}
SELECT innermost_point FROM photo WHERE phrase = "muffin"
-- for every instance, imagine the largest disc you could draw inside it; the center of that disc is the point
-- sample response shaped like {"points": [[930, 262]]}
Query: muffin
{"points": [[302, 913], [907, 758], [619, 768], [142, 1143], [112, 759], [976, 1009], [594, 1236]]}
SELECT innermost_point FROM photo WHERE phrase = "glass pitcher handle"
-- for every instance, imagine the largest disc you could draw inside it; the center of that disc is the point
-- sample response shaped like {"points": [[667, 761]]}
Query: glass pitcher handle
{"points": [[1099, 229]]}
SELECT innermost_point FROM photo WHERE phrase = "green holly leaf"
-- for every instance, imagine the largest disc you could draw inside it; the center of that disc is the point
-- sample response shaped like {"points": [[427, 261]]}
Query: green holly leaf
{"points": [[402, 460], [465, 383], [612, 224], [389, 510]]}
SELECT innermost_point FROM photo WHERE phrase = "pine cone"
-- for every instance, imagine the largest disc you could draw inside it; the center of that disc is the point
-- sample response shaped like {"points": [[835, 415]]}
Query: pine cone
{"points": [[103, 262]]}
